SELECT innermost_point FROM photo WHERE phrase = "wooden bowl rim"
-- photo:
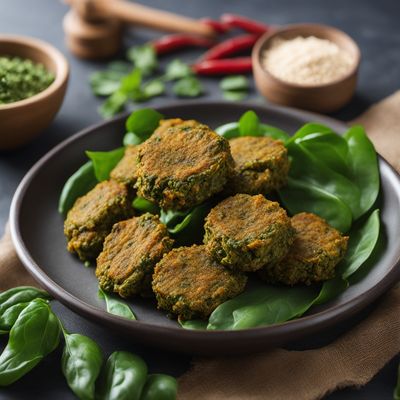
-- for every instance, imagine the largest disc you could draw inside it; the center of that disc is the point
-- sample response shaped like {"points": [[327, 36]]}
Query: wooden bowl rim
{"points": [[61, 66], [269, 36]]}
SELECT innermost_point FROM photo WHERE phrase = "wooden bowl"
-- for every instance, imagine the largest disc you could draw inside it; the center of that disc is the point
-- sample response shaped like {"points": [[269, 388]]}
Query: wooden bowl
{"points": [[23, 120], [324, 98]]}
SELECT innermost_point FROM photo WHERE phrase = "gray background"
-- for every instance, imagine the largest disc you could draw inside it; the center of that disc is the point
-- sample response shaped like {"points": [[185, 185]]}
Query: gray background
{"points": [[373, 24]]}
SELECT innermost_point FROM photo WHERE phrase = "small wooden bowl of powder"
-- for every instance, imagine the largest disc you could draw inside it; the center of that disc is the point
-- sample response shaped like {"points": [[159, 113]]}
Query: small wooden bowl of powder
{"points": [[308, 66]]}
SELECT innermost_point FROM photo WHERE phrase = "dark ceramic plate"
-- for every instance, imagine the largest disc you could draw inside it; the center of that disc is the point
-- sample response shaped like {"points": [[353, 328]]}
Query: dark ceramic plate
{"points": [[37, 231]]}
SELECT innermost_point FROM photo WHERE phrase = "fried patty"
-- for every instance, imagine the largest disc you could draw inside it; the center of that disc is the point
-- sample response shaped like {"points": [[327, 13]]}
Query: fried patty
{"points": [[190, 284], [182, 164], [247, 232], [91, 218], [125, 170], [261, 165], [130, 252], [316, 250]]}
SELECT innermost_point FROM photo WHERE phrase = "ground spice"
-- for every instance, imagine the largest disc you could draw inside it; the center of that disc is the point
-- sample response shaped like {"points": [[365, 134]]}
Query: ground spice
{"points": [[21, 78], [307, 60]]}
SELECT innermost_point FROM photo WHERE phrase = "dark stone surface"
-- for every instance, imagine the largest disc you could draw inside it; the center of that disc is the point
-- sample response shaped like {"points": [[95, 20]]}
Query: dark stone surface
{"points": [[374, 25]]}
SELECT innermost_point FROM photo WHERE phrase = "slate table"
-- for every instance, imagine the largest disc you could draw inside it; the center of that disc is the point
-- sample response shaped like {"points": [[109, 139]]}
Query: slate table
{"points": [[374, 25]]}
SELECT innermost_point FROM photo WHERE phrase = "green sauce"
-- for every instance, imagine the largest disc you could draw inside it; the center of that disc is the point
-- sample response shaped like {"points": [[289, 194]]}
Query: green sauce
{"points": [[21, 78]]}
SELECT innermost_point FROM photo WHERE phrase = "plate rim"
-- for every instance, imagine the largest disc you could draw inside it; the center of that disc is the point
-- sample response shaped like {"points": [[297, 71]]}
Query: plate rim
{"points": [[302, 325]]}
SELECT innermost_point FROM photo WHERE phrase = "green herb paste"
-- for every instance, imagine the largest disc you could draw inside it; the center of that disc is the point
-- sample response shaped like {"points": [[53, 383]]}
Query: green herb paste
{"points": [[21, 78]]}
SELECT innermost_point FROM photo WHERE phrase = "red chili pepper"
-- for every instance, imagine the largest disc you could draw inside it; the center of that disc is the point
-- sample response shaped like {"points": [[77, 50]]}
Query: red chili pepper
{"points": [[247, 24], [230, 46], [170, 43], [218, 26], [224, 66]]}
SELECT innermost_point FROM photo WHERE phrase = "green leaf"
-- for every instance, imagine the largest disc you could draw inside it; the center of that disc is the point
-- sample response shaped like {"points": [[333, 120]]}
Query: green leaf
{"points": [[310, 128], [143, 122], [131, 82], [143, 205], [331, 289], [363, 166], [131, 139], [188, 87], [81, 363], [316, 200], [229, 130], [35, 334], [177, 69], [116, 306], [362, 241], [105, 161], [249, 124], [262, 306], [193, 324], [105, 83], [154, 88], [235, 95], [123, 377], [234, 83], [78, 184], [273, 132], [113, 105], [160, 387], [144, 58]]}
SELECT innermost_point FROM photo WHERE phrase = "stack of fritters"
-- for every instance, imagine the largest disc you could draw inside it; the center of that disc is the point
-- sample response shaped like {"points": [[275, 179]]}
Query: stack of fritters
{"points": [[183, 164]]}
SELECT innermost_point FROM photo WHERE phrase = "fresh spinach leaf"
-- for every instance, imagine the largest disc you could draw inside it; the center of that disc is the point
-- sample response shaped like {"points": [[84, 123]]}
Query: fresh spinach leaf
{"points": [[265, 305], [310, 128], [144, 58], [81, 363], [362, 240], [193, 324], [116, 306], [160, 387], [330, 289], [131, 139], [35, 334], [249, 124], [234, 83], [177, 69], [229, 130], [10, 315], [317, 200], [78, 184], [363, 165], [273, 132], [105, 161], [188, 87], [143, 205], [123, 377], [143, 122]]}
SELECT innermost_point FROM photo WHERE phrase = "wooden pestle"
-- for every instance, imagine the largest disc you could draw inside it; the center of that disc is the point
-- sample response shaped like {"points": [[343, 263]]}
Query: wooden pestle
{"points": [[93, 27]]}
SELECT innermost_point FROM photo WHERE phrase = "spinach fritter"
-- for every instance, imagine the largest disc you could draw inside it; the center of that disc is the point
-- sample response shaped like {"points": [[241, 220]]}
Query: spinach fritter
{"points": [[130, 252], [316, 250], [183, 164], [247, 232], [261, 165], [190, 284], [125, 170], [91, 218]]}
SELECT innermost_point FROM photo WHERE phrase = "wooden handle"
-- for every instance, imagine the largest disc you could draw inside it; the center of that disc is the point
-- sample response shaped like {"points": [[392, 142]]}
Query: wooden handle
{"points": [[138, 14]]}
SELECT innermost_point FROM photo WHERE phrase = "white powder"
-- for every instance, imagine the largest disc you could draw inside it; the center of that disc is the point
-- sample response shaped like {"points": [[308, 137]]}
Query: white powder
{"points": [[307, 61]]}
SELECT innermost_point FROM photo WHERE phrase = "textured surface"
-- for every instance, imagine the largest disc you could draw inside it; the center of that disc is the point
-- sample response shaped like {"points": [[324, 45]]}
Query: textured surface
{"points": [[374, 25]]}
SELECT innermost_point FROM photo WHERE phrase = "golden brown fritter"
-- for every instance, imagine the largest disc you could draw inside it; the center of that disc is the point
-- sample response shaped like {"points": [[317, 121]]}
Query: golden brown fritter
{"points": [[91, 218], [125, 170], [190, 284], [182, 164], [261, 165], [130, 252], [315, 252], [247, 232]]}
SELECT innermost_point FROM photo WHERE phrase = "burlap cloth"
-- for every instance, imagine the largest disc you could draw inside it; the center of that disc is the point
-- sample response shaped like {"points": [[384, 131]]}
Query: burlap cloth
{"points": [[280, 374]]}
